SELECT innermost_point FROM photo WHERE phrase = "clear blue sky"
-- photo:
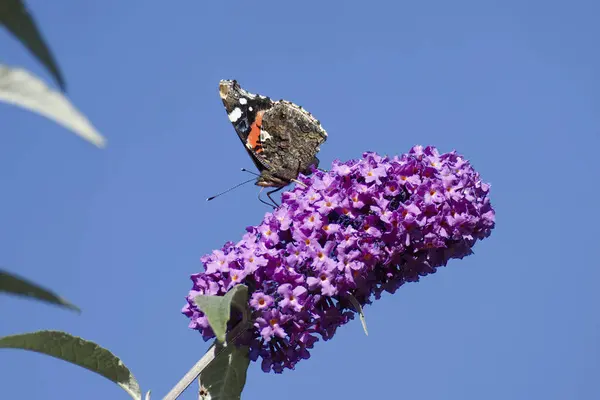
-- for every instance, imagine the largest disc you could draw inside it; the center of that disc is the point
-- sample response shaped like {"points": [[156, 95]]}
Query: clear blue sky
{"points": [[512, 85]]}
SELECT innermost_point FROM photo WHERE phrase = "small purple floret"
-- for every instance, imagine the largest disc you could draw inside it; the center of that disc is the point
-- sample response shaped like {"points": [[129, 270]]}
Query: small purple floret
{"points": [[365, 227]]}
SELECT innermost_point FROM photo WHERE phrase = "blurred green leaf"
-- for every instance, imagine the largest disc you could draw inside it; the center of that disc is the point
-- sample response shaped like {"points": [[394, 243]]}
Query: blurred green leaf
{"points": [[15, 17], [77, 351], [21, 88], [224, 378], [217, 308], [13, 284]]}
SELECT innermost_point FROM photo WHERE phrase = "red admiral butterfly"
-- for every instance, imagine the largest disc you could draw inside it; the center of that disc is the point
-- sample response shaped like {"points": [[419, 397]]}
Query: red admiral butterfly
{"points": [[281, 137]]}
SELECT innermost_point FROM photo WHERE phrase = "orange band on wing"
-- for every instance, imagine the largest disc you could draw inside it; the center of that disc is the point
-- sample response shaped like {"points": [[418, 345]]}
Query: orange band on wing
{"points": [[254, 136]]}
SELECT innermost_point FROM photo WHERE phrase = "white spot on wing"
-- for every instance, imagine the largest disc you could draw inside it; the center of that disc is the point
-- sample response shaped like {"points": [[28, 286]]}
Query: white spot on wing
{"points": [[243, 101], [250, 108], [264, 135], [235, 114]]}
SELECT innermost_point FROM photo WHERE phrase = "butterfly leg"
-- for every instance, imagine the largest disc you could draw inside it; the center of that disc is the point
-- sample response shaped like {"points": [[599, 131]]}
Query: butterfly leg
{"points": [[268, 195], [274, 191]]}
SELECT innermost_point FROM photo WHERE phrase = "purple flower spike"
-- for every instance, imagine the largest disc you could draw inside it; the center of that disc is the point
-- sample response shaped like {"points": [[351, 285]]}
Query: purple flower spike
{"points": [[363, 228]]}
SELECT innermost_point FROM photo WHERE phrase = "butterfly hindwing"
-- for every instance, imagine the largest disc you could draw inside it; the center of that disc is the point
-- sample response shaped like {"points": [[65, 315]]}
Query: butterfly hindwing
{"points": [[291, 139]]}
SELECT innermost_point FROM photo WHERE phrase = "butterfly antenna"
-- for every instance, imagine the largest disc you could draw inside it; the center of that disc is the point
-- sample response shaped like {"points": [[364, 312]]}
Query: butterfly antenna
{"points": [[230, 189], [250, 172]]}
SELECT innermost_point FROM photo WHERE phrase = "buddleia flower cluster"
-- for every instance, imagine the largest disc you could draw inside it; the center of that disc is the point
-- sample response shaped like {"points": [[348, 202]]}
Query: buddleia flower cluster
{"points": [[365, 227]]}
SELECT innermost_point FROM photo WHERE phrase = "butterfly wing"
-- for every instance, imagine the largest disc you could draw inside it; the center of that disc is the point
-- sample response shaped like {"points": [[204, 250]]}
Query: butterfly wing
{"points": [[281, 138]]}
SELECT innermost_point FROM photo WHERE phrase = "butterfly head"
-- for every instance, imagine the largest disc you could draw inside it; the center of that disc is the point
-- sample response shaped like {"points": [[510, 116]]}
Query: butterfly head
{"points": [[268, 179]]}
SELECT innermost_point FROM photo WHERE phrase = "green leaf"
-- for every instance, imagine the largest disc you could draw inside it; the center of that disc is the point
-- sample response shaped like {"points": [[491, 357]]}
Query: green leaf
{"points": [[21, 88], [77, 351], [217, 308], [213, 352], [359, 309], [224, 378], [13, 284], [15, 17]]}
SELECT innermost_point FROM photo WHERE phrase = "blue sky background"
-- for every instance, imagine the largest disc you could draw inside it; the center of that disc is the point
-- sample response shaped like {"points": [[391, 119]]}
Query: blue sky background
{"points": [[512, 85]]}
